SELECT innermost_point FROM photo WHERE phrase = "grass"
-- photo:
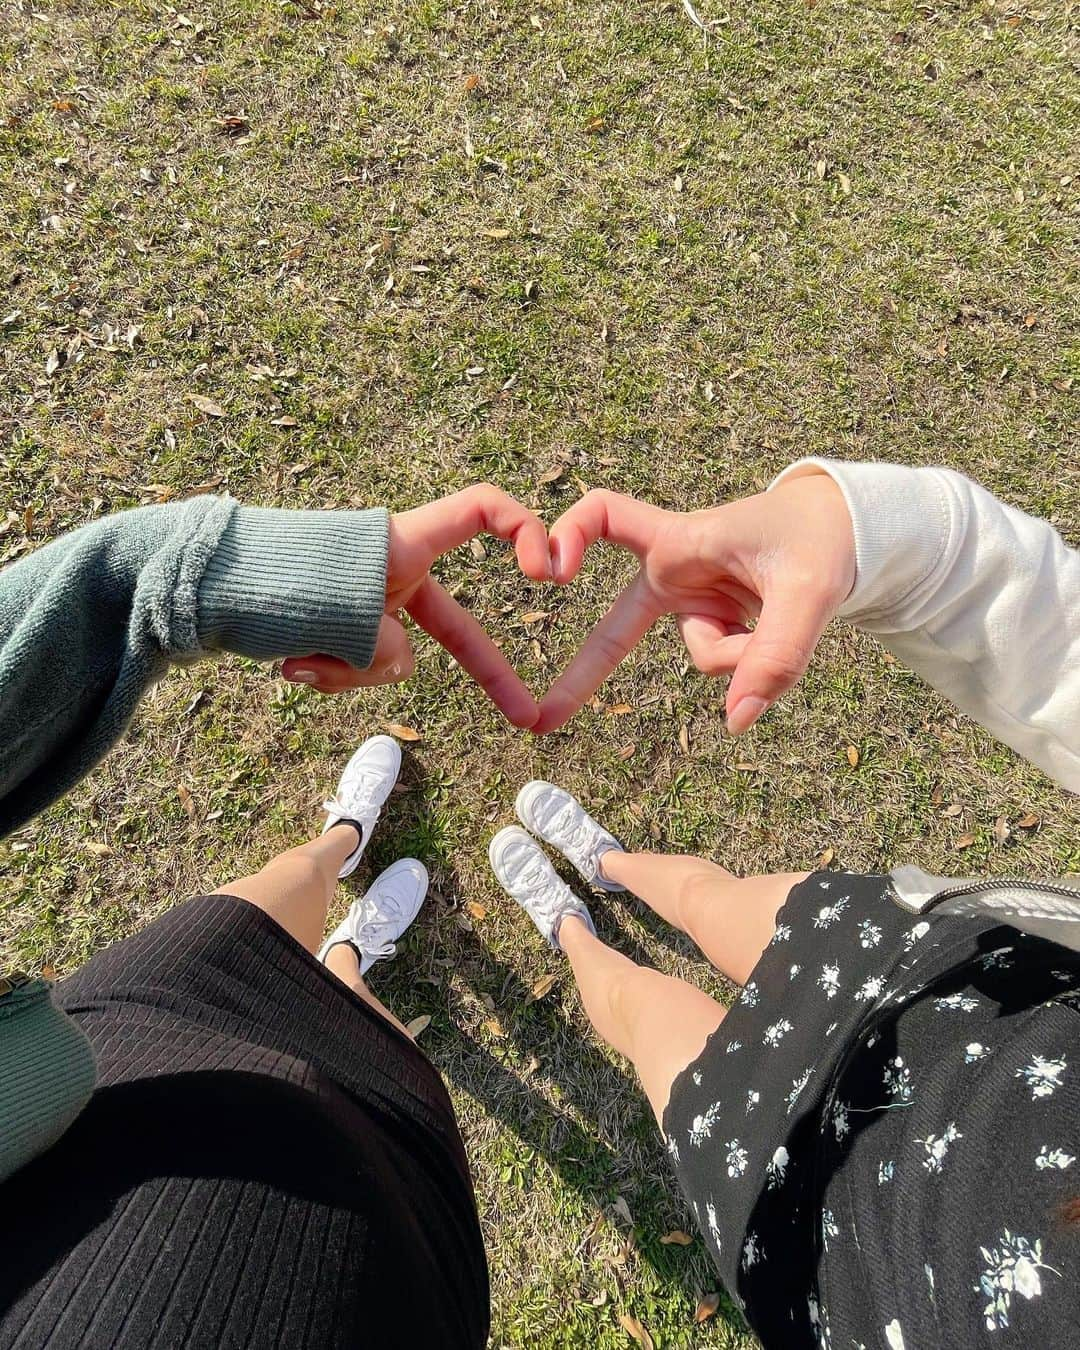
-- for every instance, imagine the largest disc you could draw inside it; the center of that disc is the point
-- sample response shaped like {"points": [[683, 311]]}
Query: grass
{"points": [[668, 262]]}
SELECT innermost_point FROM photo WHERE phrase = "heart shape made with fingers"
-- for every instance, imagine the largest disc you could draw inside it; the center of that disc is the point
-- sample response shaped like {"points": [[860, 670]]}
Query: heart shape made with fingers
{"points": [[717, 570]]}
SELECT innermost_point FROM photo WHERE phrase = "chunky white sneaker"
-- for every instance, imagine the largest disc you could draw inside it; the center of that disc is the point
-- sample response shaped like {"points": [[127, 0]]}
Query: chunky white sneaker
{"points": [[368, 780], [526, 874], [376, 921], [553, 815]]}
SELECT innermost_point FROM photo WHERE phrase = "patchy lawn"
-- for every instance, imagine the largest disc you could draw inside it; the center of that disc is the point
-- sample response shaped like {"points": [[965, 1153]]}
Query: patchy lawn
{"points": [[401, 247]]}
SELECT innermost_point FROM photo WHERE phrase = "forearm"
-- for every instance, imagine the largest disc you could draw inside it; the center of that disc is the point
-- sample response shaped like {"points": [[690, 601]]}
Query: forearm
{"points": [[979, 598], [89, 622]]}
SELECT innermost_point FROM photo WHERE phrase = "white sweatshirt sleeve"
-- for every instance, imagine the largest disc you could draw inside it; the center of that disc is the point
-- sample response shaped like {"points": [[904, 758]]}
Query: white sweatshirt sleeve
{"points": [[980, 599]]}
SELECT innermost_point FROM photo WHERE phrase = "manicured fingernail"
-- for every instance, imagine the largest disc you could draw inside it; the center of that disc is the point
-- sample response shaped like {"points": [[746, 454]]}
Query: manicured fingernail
{"points": [[303, 677], [394, 672], [744, 714]]}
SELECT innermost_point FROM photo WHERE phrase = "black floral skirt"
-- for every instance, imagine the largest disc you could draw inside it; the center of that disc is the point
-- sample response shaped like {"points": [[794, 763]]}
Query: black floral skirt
{"points": [[880, 1141]]}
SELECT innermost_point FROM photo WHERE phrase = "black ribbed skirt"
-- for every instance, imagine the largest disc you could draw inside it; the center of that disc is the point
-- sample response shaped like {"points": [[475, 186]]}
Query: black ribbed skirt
{"points": [[266, 1161]]}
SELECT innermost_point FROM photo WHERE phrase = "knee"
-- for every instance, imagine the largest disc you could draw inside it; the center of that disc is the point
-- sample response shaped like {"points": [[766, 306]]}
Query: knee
{"points": [[295, 871], [698, 893]]}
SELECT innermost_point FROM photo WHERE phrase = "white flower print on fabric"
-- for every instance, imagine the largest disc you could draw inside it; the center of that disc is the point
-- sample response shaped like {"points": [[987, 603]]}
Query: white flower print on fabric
{"points": [[777, 1168], [775, 1034], [783, 932], [956, 1003], [1065, 976], [869, 934], [737, 1158], [714, 1226], [701, 1126], [894, 1334], [885, 1172], [829, 1227], [732, 1046], [827, 915], [794, 971], [998, 959], [915, 934], [871, 988], [898, 1080], [697, 1078], [975, 1050], [797, 1085], [749, 996], [1053, 1157], [928, 1271], [752, 1251], [752, 1099], [673, 1149], [1043, 1076], [839, 1120], [1012, 1267], [937, 1146], [831, 1028], [829, 980]]}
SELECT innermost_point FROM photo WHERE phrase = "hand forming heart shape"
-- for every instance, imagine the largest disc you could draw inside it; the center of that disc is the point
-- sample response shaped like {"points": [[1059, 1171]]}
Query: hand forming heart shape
{"points": [[785, 558]]}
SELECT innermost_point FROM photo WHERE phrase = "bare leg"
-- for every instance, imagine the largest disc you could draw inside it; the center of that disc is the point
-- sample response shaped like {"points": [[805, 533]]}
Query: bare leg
{"points": [[342, 961], [296, 887], [731, 919], [660, 1024]]}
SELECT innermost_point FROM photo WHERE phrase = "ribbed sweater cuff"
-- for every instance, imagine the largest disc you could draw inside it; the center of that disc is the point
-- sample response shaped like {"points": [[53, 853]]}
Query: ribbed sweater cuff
{"points": [[901, 522], [292, 583]]}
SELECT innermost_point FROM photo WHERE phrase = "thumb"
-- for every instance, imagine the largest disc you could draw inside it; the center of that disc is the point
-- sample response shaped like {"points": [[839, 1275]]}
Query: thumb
{"points": [[792, 620]]}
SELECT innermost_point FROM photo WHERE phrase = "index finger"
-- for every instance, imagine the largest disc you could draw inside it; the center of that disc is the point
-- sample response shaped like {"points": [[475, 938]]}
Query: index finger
{"points": [[601, 514], [438, 613], [482, 508], [620, 630]]}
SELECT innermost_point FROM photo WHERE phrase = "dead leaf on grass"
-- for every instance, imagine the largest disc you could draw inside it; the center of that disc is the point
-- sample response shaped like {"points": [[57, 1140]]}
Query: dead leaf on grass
{"points": [[543, 986], [187, 801], [1029, 821], [476, 910], [684, 738], [707, 1307], [677, 1239], [636, 1331], [494, 1026], [206, 405], [965, 841], [418, 1024], [618, 710], [826, 856], [852, 756], [552, 475], [1001, 829], [402, 732], [953, 810]]}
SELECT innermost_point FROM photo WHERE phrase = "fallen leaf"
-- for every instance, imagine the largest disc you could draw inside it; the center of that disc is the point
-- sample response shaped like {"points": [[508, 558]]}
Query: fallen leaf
{"points": [[403, 733], [595, 125], [418, 1024], [534, 616], [628, 751], [845, 184], [953, 810], [553, 474], [1029, 821], [1001, 829], [965, 841], [476, 910], [826, 856], [187, 801], [494, 1026], [707, 1307], [477, 549], [619, 710], [286, 421], [52, 363], [543, 986], [636, 1331], [206, 405], [471, 82], [600, 1299], [495, 234], [852, 756], [684, 738], [677, 1238], [98, 849], [622, 1209]]}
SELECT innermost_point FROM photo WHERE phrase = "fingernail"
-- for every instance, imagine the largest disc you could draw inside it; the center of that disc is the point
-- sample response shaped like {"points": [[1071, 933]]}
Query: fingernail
{"points": [[394, 672], [303, 677], [555, 550], [744, 714]]}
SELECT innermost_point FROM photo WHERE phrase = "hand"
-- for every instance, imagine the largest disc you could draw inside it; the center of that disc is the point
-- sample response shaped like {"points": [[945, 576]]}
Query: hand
{"points": [[417, 539], [786, 558]]}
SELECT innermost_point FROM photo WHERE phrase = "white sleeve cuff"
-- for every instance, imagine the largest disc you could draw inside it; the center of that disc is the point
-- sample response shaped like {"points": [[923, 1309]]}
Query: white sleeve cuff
{"points": [[904, 521]]}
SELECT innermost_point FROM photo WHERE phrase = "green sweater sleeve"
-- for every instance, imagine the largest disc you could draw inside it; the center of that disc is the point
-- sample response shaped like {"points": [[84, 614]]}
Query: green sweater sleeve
{"points": [[90, 621]]}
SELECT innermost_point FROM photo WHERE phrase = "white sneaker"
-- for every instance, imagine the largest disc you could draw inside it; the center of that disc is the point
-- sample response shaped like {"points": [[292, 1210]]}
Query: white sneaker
{"points": [[368, 780], [376, 921], [553, 815], [526, 874]]}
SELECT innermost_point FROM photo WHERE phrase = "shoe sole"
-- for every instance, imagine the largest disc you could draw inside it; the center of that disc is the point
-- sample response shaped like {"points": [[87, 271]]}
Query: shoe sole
{"points": [[521, 812]]}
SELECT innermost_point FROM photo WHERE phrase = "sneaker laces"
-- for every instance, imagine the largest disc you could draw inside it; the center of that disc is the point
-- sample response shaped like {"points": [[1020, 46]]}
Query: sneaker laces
{"points": [[574, 839], [536, 886], [370, 933]]}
